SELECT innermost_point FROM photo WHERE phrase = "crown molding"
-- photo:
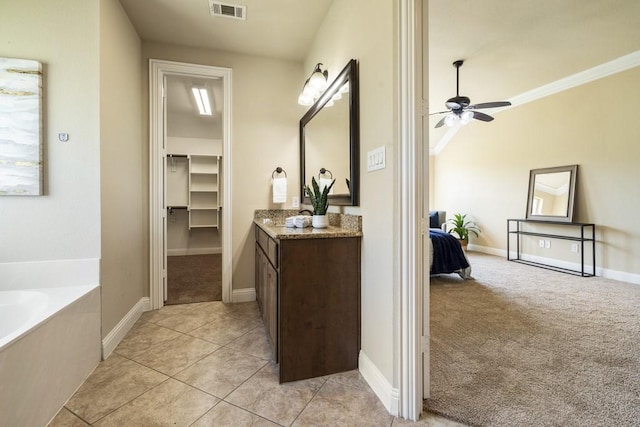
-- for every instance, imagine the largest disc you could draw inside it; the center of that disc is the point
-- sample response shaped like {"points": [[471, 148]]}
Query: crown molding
{"points": [[615, 66]]}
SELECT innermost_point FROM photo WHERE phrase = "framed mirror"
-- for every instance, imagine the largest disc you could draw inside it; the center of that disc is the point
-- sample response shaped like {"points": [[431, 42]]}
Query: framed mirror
{"points": [[551, 193], [329, 140]]}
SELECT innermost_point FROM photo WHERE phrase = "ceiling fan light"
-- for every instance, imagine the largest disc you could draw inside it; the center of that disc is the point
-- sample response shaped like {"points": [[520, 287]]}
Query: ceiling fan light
{"points": [[450, 120], [466, 117]]}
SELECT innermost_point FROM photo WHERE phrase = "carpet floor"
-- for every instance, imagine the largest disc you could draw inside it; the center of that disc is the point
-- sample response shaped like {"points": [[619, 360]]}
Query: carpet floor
{"points": [[194, 278], [524, 346]]}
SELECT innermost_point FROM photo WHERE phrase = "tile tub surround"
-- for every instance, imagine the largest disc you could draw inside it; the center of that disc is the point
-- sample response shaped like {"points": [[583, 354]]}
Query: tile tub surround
{"points": [[340, 225], [234, 384]]}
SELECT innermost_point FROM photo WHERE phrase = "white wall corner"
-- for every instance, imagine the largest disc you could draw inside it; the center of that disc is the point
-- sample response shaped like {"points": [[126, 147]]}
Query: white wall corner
{"points": [[389, 396], [243, 295], [113, 338]]}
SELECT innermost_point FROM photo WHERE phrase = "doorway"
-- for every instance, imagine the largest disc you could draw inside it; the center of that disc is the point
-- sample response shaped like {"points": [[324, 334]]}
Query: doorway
{"points": [[190, 212]]}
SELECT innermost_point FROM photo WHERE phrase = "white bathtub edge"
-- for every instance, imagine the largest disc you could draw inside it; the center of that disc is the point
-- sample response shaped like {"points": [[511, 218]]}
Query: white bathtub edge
{"points": [[49, 274], [113, 338]]}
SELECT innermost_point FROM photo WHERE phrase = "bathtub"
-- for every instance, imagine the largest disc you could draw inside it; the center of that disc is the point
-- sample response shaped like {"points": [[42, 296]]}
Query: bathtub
{"points": [[49, 344]]}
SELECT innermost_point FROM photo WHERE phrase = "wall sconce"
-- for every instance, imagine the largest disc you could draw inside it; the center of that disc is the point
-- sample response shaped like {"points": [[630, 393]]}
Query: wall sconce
{"points": [[202, 100], [314, 86]]}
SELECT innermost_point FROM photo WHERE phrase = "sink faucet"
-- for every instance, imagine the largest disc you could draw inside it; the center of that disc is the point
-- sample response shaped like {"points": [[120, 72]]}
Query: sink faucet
{"points": [[307, 211]]}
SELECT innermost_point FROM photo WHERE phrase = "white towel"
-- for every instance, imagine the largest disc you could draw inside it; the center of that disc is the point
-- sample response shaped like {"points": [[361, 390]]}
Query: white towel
{"points": [[325, 182], [280, 190], [302, 221]]}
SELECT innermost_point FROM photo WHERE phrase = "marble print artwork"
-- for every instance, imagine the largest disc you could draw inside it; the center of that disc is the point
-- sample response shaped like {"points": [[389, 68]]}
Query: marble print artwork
{"points": [[20, 127]]}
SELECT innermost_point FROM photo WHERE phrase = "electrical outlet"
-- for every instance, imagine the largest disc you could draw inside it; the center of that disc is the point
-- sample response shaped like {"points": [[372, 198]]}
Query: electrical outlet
{"points": [[547, 244], [295, 202], [541, 243], [575, 247]]}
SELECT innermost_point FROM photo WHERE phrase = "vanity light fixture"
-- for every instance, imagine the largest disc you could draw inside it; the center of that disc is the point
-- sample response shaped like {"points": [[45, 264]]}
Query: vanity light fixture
{"points": [[314, 86], [202, 100]]}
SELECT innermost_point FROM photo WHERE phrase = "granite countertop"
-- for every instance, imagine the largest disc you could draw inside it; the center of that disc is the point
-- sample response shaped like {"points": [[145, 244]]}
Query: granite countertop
{"points": [[282, 232]]}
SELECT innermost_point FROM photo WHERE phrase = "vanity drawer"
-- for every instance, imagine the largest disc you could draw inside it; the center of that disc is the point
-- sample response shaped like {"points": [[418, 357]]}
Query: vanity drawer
{"points": [[272, 251], [268, 245]]}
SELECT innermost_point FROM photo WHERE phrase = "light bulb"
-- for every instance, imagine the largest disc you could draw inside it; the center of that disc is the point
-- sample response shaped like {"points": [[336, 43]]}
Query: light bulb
{"points": [[318, 79]]}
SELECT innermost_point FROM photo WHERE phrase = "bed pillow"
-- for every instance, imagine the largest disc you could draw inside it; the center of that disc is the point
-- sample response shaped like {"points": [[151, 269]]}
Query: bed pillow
{"points": [[434, 222]]}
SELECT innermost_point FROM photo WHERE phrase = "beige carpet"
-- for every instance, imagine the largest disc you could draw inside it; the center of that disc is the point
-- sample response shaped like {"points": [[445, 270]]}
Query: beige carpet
{"points": [[524, 346], [194, 278]]}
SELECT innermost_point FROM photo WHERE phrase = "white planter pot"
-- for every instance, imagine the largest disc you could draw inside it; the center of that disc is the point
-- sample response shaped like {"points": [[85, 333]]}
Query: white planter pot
{"points": [[320, 221]]}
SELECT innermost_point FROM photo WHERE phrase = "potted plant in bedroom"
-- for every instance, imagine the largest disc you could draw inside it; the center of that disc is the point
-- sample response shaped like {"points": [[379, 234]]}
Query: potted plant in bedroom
{"points": [[461, 227], [319, 201]]}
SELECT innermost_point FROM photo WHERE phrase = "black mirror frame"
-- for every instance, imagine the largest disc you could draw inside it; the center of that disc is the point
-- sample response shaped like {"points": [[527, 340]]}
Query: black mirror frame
{"points": [[349, 73], [573, 169]]}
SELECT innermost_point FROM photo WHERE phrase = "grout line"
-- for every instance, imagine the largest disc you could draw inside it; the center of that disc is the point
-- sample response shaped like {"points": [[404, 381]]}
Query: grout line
{"points": [[310, 400]]}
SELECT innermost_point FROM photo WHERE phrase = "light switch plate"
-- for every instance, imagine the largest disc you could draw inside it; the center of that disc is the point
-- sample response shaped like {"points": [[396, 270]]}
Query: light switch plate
{"points": [[376, 159]]}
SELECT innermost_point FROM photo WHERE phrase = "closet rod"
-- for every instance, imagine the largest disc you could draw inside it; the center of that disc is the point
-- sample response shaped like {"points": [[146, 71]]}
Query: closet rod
{"points": [[177, 155]]}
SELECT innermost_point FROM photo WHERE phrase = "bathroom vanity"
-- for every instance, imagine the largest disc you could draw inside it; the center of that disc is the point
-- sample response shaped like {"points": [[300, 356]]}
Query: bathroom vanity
{"points": [[308, 290]]}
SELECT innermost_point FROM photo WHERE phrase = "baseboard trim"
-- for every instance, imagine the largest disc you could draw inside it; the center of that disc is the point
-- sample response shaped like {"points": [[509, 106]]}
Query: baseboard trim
{"points": [[607, 273], [113, 338], [193, 251], [389, 396], [243, 295]]}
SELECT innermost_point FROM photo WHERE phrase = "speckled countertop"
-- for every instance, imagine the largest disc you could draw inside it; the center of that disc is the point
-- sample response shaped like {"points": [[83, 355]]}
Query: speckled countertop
{"points": [[340, 225]]}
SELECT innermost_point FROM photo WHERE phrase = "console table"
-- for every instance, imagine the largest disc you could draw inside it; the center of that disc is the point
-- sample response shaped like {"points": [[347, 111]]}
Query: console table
{"points": [[586, 236]]}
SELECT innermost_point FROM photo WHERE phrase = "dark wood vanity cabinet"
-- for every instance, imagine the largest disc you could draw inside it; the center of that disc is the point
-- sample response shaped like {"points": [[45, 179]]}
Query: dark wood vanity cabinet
{"points": [[308, 290]]}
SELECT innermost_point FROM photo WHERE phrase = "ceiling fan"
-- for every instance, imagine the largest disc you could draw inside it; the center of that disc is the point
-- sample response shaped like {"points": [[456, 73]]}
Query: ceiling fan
{"points": [[459, 108]]}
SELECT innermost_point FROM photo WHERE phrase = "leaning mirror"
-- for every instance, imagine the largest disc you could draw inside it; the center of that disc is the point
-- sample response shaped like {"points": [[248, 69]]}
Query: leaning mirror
{"points": [[329, 139], [551, 193]]}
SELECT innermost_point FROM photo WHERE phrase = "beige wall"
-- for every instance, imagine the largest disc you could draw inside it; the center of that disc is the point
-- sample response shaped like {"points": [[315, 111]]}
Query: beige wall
{"points": [[264, 136], [363, 29], [64, 224], [125, 227], [594, 126]]}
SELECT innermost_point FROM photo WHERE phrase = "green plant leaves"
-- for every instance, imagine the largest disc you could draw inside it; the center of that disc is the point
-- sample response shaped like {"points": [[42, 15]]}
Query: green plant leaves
{"points": [[319, 200]]}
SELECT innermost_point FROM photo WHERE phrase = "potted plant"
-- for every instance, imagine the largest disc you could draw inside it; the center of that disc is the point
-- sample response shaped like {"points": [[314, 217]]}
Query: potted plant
{"points": [[462, 228], [319, 202]]}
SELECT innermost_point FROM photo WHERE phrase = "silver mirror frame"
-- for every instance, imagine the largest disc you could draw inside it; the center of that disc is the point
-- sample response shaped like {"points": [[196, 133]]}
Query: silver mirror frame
{"points": [[573, 170]]}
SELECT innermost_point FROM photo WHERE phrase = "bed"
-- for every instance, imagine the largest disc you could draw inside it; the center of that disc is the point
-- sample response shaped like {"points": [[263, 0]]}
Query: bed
{"points": [[445, 253]]}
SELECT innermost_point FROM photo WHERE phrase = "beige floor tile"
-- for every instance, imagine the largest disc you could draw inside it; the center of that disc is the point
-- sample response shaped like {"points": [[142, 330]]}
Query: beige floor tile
{"points": [[113, 383], [350, 378], [221, 372], [66, 418], [224, 329], [173, 356], [341, 405], [226, 415], [187, 321], [427, 419], [142, 337], [166, 311], [280, 403], [254, 342], [172, 403], [248, 310]]}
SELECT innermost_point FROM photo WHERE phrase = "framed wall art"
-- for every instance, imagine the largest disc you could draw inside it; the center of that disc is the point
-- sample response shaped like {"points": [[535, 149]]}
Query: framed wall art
{"points": [[20, 127]]}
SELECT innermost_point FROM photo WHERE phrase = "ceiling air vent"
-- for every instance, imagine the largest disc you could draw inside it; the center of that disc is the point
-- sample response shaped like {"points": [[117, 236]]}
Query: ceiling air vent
{"points": [[227, 10]]}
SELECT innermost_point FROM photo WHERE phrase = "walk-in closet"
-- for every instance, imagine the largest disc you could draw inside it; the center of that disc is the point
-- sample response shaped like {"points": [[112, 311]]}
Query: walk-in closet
{"points": [[193, 185]]}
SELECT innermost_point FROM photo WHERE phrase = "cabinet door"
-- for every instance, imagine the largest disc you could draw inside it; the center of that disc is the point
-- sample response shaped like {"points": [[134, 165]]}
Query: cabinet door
{"points": [[258, 278], [271, 307]]}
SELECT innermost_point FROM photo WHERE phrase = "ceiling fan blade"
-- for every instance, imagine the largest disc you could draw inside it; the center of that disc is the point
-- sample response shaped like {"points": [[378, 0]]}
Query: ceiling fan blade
{"points": [[441, 122], [489, 105], [440, 112], [482, 116]]}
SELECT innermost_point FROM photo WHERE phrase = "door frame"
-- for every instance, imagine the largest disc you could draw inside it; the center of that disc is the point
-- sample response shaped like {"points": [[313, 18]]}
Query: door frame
{"points": [[158, 70], [412, 188]]}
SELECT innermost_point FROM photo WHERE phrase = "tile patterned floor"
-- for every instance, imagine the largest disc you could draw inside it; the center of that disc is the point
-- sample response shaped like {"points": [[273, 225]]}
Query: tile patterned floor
{"points": [[209, 364]]}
